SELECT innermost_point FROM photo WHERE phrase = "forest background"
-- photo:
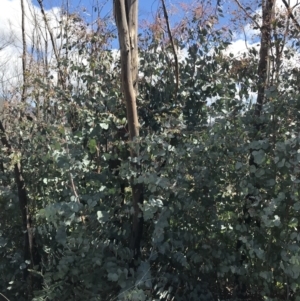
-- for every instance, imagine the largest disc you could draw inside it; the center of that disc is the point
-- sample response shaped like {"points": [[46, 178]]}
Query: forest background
{"points": [[161, 162]]}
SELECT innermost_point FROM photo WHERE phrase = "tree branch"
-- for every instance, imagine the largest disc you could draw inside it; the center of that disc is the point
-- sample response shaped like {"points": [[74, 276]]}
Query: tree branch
{"points": [[49, 29], [173, 46], [291, 15], [23, 96], [245, 11]]}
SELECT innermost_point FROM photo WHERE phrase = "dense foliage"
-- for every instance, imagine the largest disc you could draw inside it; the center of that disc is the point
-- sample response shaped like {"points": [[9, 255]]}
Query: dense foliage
{"points": [[212, 220]]}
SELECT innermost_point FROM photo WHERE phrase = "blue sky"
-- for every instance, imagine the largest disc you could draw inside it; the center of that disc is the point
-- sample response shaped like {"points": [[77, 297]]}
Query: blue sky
{"points": [[10, 24], [147, 8], [86, 8], [10, 13]]}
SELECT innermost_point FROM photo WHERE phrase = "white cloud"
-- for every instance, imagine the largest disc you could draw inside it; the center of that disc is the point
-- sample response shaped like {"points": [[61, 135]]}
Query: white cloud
{"points": [[249, 37], [281, 6], [239, 47], [11, 38]]}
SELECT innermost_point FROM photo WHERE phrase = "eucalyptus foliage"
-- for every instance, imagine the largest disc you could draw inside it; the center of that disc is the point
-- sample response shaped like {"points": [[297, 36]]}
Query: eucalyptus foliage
{"points": [[194, 156]]}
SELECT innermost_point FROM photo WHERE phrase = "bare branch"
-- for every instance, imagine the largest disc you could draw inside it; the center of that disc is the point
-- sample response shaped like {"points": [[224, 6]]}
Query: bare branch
{"points": [[291, 15], [6, 40], [49, 30], [23, 97], [245, 11], [4, 297], [173, 46]]}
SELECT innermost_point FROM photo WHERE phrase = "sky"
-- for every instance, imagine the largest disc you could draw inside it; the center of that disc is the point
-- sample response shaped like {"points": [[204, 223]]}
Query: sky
{"points": [[147, 8], [10, 13], [10, 22], [10, 27]]}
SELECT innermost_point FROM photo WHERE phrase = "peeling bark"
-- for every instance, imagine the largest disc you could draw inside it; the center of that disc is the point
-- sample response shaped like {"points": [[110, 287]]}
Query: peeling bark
{"points": [[126, 16]]}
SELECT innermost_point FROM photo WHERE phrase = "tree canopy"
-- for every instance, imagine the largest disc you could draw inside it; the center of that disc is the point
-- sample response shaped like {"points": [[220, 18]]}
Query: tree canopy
{"points": [[165, 169]]}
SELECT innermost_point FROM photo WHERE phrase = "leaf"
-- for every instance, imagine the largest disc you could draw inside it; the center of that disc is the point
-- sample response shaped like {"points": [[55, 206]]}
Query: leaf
{"points": [[277, 221], [259, 172], [266, 275], [143, 275], [91, 203], [113, 277], [258, 156], [259, 253], [104, 126], [3, 242], [92, 145], [238, 165], [294, 286], [204, 87], [61, 235], [293, 223], [281, 163], [102, 216], [296, 206], [271, 182], [138, 295], [156, 203]]}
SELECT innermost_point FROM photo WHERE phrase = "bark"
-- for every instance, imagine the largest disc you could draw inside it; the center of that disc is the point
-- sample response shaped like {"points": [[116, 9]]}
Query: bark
{"points": [[23, 97], [263, 65], [173, 47], [27, 227], [126, 16], [262, 83]]}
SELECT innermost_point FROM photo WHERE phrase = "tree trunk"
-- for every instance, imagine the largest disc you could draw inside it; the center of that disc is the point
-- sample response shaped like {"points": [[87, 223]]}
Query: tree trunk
{"points": [[262, 83], [126, 16], [27, 227], [263, 65], [29, 247]]}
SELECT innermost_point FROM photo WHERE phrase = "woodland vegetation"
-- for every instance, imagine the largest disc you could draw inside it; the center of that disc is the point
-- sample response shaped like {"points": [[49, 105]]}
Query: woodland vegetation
{"points": [[167, 170]]}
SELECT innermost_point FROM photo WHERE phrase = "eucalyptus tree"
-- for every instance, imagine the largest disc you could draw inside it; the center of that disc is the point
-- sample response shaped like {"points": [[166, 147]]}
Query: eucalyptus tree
{"points": [[126, 16]]}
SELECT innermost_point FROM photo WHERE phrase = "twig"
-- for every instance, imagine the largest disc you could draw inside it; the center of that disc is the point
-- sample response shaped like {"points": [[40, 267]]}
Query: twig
{"points": [[291, 15], [40, 2], [173, 46], [73, 184], [245, 11], [245, 38], [56, 52], [74, 188], [4, 297], [71, 176], [135, 285]]}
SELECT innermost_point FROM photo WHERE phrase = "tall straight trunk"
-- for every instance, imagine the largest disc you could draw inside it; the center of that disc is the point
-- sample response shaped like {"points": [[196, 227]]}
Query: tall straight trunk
{"points": [[27, 229], [24, 51], [263, 65], [262, 83], [22, 193], [126, 16]]}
